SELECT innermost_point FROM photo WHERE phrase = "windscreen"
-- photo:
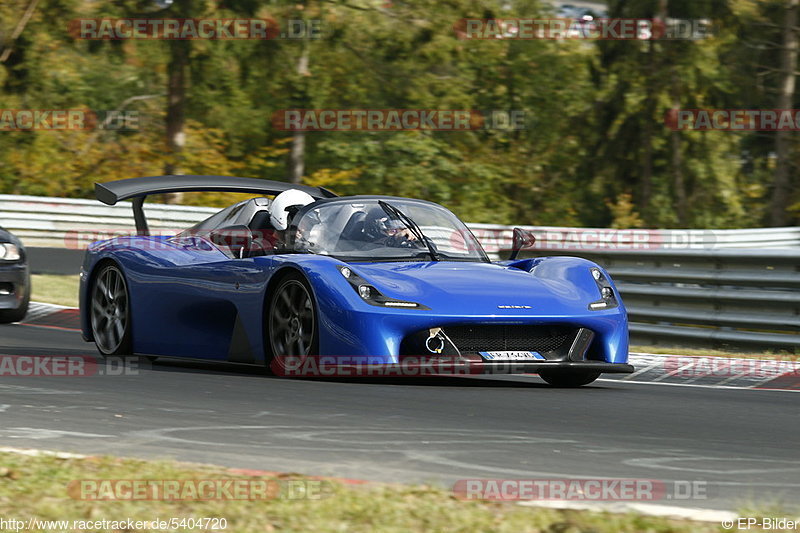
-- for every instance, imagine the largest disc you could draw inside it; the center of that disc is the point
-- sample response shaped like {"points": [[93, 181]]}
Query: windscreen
{"points": [[364, 230]]}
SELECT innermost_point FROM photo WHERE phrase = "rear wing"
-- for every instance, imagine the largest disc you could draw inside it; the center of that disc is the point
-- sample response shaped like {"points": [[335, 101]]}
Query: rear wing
{"points": [[140, 188]]}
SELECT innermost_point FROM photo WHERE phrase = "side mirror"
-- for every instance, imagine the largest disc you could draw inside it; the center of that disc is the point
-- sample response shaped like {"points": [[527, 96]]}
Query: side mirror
{"points": [[238, 239], [522, 239]]}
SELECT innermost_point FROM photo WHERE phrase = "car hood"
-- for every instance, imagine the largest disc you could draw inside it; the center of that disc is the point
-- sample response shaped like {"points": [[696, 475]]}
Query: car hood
{"points": [[563, 286]]}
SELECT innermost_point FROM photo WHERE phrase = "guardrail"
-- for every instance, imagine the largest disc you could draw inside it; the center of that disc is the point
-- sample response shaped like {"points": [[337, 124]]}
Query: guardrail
{"points": [[681, 287], [733, 299], [495, 238], [74, 223]]}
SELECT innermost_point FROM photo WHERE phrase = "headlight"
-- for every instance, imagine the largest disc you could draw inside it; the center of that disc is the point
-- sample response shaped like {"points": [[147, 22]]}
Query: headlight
{"points": [[373, 296], [9, 252], [365, 291], [608, 298]]}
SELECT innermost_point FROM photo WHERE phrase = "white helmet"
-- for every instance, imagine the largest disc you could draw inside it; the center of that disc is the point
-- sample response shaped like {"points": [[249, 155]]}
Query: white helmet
{"points": [[282, 204]]}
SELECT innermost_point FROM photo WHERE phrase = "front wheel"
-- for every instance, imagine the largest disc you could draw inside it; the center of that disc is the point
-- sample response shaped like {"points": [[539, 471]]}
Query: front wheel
{"points": [[291, 320], [568, 379], [110, 312]]}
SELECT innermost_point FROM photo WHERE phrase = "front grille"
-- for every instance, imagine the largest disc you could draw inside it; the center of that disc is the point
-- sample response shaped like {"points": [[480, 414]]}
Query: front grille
{"points": [[486, 338]]}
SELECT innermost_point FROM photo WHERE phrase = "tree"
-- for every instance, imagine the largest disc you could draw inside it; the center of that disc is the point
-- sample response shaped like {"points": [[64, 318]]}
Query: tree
{"points": [[781, 187]]}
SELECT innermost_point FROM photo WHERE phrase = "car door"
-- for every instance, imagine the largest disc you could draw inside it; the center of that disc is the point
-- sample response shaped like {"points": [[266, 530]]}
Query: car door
{"points": [[199, 299]]}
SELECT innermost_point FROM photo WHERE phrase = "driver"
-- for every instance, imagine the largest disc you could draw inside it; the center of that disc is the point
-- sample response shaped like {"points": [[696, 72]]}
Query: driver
{"points": [[379, 227], [283, 209]]}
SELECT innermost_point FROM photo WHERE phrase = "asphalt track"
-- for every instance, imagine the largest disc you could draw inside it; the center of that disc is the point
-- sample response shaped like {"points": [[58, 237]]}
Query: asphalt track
{"points": [[741, 443]]}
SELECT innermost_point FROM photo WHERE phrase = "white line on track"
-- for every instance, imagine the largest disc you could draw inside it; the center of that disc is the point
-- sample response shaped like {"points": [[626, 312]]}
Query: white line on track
{"points": [[652, 509], [37, 453]]}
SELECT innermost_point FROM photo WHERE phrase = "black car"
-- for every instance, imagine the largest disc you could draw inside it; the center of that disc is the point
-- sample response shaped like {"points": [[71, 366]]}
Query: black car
{"points": [[15, 279]]}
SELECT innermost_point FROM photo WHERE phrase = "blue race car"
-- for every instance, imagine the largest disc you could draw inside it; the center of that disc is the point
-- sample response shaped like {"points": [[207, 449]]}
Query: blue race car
{"points": [[364, 282]]}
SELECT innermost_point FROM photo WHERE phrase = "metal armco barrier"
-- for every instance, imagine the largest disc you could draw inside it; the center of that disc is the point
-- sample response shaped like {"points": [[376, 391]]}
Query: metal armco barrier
{"points": [[734, 299], [554, 240], [735, 289], [73, 223]]}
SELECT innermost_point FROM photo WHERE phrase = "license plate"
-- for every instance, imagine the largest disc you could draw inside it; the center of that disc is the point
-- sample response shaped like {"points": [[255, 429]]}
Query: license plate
{"points": [[511, 356]]}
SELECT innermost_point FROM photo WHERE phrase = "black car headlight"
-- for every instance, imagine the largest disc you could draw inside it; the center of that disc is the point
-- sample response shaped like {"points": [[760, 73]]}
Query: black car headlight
{"points": [[608, 297], [373, 296], [9, 252]]}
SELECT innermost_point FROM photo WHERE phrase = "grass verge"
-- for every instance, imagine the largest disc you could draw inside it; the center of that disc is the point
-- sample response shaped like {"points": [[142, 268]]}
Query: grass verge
{"points": [[36, 487], [54, 289]]}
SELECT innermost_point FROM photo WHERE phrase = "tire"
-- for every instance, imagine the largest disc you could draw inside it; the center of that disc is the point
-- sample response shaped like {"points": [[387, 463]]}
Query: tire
{"points": [[16, 315], [291, 325], [569, 379], [109, 312]]}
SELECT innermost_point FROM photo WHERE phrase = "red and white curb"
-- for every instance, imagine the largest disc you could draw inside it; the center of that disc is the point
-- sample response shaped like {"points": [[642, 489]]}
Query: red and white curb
{"points": [[52, 316], [712, 371]]}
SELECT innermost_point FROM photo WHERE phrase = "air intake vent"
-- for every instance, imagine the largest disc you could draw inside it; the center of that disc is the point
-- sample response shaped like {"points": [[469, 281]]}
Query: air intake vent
{"points": [[480, 338]]}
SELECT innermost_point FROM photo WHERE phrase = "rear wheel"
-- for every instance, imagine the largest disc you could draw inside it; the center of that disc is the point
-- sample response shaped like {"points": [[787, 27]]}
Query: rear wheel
{"points": [[110, 312], [292, 319], [569, 379]]}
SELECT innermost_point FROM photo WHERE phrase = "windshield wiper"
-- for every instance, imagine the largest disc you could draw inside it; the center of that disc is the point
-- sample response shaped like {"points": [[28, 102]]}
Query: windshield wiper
{"points": [[410, 224]]}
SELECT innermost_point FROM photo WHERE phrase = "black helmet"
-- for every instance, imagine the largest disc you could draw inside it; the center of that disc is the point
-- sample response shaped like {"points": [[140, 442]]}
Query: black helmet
{"points": [[378, 224]]}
